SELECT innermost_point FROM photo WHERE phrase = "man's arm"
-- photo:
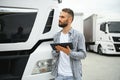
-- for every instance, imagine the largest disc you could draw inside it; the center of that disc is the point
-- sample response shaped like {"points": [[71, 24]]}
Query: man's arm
{"points": [[81, 50], [55, 53]]}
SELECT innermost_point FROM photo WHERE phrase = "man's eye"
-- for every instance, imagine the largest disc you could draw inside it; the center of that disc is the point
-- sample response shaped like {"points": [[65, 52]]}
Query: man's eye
{"points": [[62, 16]]}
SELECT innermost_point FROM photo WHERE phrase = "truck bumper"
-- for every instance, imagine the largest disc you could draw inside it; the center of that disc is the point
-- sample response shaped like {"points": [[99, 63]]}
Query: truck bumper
{"points": [[107, 51]]}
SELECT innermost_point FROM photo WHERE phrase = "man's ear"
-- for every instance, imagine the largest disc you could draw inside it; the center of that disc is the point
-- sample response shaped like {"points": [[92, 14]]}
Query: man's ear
{"points": [[70, 19]]}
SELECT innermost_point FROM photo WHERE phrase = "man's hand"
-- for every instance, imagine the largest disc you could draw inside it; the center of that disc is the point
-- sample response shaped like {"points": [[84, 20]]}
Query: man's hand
{"points": [[65, 50]]}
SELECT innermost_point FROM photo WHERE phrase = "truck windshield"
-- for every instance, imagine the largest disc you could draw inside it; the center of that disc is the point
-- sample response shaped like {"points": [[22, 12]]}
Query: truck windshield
{"points": [[114, 27], [15, 24]]}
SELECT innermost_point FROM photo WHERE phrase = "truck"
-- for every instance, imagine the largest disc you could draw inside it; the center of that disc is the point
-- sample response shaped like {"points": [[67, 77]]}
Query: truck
{"points": [[102, 33], [26, 31]]}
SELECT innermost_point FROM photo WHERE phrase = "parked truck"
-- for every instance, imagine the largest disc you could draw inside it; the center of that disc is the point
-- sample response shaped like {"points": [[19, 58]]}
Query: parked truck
{"points": [[102, 33], [26, 31]]}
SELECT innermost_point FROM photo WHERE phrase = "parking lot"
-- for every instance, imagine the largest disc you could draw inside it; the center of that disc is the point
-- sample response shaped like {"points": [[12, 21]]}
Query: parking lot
{"points": [[101, 67]]}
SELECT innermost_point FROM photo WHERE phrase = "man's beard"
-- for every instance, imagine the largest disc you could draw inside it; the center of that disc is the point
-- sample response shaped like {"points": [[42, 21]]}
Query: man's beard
{"points": [[63, 25]]}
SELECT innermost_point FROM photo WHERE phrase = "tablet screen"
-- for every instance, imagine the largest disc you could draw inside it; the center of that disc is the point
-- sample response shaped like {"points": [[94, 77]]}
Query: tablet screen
{"points": [[61, 44]]}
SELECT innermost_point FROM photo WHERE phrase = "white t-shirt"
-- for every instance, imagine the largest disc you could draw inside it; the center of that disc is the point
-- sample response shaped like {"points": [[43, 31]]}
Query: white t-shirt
{"points": [[64, 67]]}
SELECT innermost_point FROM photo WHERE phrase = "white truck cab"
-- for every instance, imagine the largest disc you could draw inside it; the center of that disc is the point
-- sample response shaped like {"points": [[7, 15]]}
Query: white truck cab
{"points": [[26, 31]]}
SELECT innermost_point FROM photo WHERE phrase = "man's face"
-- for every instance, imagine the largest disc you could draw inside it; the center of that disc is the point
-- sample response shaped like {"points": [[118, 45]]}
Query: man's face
{"points": [[63, 19]]}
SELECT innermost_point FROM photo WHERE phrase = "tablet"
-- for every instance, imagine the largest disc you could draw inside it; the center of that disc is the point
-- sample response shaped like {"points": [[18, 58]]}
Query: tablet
{"points": [[61, 44]]}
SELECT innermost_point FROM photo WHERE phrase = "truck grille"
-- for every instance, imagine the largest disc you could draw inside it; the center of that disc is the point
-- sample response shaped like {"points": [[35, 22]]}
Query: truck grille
{"points": [[117, 47], [116, 39]]}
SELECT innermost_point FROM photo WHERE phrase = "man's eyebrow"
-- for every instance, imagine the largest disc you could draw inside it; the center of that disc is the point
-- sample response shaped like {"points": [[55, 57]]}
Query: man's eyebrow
{"points": [[62, 16]]}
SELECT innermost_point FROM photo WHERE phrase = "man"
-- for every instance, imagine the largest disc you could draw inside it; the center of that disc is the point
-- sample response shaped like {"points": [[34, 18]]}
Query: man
{"points": [[67, 62]]}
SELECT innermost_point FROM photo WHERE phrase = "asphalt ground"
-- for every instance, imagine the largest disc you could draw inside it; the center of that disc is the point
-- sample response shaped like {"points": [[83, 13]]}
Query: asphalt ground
{"points": [[101, 67]]}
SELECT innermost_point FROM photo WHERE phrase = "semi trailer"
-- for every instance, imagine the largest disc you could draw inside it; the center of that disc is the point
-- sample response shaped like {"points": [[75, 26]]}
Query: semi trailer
{"points": [[102, 33]]}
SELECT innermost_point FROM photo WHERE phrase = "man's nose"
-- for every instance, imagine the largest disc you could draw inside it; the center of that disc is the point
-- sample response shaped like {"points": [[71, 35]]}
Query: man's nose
{"points": [[59, 19]]}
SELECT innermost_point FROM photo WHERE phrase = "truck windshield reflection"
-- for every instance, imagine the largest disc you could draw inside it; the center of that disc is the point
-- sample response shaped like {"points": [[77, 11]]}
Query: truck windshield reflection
{"points": [[16, 27]]}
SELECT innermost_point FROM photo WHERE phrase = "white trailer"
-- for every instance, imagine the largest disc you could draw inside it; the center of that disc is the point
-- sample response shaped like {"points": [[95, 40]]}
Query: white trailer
{"points": [[102, 33], [26, 31]]}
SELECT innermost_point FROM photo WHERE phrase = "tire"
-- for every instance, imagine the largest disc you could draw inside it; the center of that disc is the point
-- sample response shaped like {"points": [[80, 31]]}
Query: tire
{"points": [[88, 48], [99, 50]]}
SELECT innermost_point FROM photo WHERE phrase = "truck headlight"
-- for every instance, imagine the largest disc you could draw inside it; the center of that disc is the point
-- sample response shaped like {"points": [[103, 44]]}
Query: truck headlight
{"points": [[42, 66], [110, 47]]}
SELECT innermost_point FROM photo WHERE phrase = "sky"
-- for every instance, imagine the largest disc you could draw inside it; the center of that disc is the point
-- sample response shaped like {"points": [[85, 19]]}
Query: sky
{"points": [[88, 7]]}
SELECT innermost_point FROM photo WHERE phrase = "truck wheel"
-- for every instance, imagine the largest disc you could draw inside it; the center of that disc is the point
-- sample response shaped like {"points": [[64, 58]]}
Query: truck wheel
{"points": [[99, 50]]}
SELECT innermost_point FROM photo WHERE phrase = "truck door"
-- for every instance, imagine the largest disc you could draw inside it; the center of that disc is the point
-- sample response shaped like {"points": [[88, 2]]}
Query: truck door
{"points": [[103, 33]]}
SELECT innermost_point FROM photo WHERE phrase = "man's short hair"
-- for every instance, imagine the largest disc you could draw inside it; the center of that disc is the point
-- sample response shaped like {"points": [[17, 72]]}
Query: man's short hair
{"points": [[69, 11]]}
